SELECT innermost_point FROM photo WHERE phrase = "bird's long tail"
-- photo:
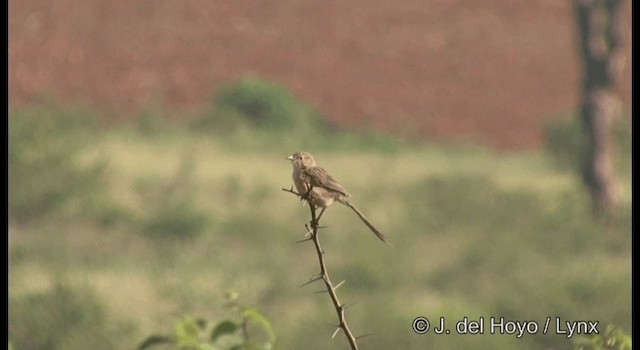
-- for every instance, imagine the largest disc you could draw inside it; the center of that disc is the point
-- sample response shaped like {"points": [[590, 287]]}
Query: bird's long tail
{"points": [[366, 222]]}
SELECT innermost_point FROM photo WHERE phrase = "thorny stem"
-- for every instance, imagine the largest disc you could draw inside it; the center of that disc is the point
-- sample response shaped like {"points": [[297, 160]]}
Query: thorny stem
{"points": [[324, 274]]}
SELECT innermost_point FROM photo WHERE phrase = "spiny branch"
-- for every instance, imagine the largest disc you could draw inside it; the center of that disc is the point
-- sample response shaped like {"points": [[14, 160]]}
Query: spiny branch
{"points": [[324, 274]]}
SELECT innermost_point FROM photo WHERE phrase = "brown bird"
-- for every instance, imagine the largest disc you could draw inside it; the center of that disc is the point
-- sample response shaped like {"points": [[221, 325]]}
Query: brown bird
{"points": [[324, 188]]}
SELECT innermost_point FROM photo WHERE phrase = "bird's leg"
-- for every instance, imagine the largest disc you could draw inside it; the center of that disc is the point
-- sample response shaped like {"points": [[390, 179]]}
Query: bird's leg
{"points": [[313, 223], [319, 215], [315, 219], [306, 194]]}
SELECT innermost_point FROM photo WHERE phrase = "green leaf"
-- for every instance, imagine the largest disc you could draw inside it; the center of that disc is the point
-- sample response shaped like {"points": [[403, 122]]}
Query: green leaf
{"points": [[222, 328], [155, 339], [187, 332], [252, 314]]}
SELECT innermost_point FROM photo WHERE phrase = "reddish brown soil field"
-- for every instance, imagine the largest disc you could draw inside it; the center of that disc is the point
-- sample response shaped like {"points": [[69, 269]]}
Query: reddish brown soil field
{"points": [[489, 71]]}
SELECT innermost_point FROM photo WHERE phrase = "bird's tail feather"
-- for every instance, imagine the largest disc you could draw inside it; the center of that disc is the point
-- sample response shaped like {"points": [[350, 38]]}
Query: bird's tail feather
{"points": [[366, 222]]}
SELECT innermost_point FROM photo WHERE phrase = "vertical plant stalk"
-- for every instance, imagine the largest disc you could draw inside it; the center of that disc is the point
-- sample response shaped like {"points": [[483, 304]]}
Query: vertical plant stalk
{"points": [[324, 273]]}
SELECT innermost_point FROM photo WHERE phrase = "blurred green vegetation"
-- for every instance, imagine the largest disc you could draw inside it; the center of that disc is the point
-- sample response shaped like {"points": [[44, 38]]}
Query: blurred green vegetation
{"points": [[47, 171], [170, 209], [252, 113], [612, 338], [263, 104], [152, 221], [250, 330], [565, 142], [64, 317]]}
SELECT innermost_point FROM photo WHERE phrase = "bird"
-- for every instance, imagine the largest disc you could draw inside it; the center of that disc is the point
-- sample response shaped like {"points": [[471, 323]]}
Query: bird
{"points": [[325, 189]]}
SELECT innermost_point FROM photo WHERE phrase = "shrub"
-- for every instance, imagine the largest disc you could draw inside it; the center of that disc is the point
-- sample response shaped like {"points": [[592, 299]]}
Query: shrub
{"points": [[564, 141], [253, 113], [249, 330], [46, 169], [179, 220], [259, 102], [61, 318], [613, 338], [170, 210]]}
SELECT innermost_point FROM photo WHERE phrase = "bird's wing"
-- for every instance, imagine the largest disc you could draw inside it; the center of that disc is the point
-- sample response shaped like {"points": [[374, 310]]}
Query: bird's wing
{"points": [[319, 177]]}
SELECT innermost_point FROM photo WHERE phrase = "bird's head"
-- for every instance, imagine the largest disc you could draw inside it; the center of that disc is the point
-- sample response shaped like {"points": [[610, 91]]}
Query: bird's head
{"points": [[302, 160]]}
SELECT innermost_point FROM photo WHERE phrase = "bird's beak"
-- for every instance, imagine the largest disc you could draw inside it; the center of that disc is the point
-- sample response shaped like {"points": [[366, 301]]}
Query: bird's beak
{"points": [[290, 157]]}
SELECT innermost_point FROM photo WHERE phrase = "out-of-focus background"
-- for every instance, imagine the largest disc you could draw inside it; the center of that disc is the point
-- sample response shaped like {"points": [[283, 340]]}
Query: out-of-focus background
{"points": [[147, 145]]}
